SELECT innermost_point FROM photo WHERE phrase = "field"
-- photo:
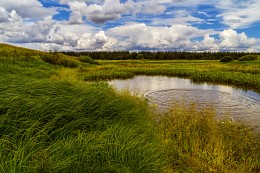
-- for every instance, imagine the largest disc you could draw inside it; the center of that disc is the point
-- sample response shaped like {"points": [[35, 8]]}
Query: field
{"points": [[57, 115]]}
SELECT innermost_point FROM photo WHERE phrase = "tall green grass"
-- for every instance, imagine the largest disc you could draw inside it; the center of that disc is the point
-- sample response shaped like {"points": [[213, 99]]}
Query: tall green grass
{"points": [[60, 127], [52, 120], [198, 142]]}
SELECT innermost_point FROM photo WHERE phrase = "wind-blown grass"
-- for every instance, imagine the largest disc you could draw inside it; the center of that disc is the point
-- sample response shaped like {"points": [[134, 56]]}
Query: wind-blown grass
{"points": [[52, 120], [197, 142], [59, 127]]}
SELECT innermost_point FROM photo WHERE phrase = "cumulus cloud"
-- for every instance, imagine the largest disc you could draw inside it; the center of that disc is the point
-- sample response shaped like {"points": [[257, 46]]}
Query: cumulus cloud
{"points": [[77, 12], [98, 41], [64, 37], [161, 38], [27, 9], [31, 32], [97, 13], [5, 16], [110, 10], [172, 33], [231, 40], [102, 11], [207, 44], [136, 36]]}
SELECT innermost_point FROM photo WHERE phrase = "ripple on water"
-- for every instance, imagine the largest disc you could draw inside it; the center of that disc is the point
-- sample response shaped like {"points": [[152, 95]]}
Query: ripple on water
{"points": [[166, 91], [234, 104]]}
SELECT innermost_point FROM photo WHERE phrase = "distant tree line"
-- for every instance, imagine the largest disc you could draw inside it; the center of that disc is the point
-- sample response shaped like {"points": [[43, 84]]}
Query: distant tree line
{"points": [[123, 55]]}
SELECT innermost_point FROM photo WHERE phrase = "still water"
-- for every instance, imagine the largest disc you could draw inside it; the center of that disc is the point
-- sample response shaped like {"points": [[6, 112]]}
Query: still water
{"points": [[165, 91]]}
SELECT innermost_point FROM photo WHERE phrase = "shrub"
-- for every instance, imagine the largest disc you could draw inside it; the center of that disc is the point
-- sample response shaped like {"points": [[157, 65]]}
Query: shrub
{"points": [[226, 59], [248, 58], [60, 59], [67, 62], [140, 56], [87, 59], [52, 58]]}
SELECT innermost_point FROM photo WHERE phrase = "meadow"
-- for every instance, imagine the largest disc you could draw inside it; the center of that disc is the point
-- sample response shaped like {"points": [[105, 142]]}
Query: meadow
{"points": [[57, 114]]}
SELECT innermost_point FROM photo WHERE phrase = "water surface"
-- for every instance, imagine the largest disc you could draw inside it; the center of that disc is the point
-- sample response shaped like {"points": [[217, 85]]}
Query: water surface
{"points": [[165, 91]]}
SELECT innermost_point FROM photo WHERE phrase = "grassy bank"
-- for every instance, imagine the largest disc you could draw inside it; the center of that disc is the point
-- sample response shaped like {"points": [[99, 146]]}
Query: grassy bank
{"points": [[51, 120], [237, 73]]}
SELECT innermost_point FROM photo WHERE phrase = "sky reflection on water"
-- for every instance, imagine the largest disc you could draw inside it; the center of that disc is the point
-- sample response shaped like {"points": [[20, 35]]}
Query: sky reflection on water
{"points": [[165, 91]]}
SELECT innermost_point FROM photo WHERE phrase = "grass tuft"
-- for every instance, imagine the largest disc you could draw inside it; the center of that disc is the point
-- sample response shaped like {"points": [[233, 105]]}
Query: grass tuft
{"points": [[197, 142]]}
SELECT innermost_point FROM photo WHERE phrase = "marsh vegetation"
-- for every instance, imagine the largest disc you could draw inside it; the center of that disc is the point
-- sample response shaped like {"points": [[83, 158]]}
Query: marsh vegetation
{"points": [[54, 118]]}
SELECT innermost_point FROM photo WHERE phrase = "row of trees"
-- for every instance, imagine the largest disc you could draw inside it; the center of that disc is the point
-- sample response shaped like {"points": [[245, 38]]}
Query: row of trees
{"points": [[123, 55]]}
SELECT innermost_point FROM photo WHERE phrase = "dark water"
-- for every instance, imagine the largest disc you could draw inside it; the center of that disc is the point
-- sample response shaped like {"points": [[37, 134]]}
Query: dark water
{"points": [[165, 91]]}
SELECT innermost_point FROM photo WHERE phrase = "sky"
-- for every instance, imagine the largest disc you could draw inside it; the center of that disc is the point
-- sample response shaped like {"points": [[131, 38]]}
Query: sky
{"points": [[134, 25]]}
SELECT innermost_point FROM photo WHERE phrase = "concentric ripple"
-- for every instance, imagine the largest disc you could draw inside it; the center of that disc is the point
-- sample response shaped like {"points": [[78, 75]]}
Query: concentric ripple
{"points": [[165, 92], [240, 107]]}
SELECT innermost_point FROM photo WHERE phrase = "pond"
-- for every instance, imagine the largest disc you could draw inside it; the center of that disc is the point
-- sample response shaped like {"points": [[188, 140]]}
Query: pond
{"points": [[165, 91]]}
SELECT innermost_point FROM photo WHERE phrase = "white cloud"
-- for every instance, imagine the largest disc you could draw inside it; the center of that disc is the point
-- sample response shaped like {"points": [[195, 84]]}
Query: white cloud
{"points": [[5, 16], [175, 33], [98, 41], [179, 37], [204, 13], [19, 32], [77, 37], [186, 3], [102, 11], [139, 36], [110, 10], [97, 13], [208, 44], [86, 1], [49, 34], [234, 13], [149, 7], [27, 9], [78, 12], [187, 20], [239, 14], [230, 39]]}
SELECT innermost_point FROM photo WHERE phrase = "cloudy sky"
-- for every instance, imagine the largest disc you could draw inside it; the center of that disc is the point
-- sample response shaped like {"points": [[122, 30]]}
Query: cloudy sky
{"points": [[158, 25]]}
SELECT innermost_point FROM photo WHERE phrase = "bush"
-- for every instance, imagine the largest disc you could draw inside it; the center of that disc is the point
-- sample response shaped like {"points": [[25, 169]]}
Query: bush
{"points": [[248, 58], [67, 62], [140, 56], [226, 59], [52, 58], [60, 59], [87, 59]]}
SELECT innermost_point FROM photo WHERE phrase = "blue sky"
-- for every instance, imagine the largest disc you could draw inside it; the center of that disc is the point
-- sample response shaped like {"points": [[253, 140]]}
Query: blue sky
{"points": [[160, 25]]}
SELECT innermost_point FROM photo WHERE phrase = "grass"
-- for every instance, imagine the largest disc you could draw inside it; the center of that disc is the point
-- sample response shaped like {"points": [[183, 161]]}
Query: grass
{"points": [[52, 120], [197, 142], [245, 75], [60, 127]]}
